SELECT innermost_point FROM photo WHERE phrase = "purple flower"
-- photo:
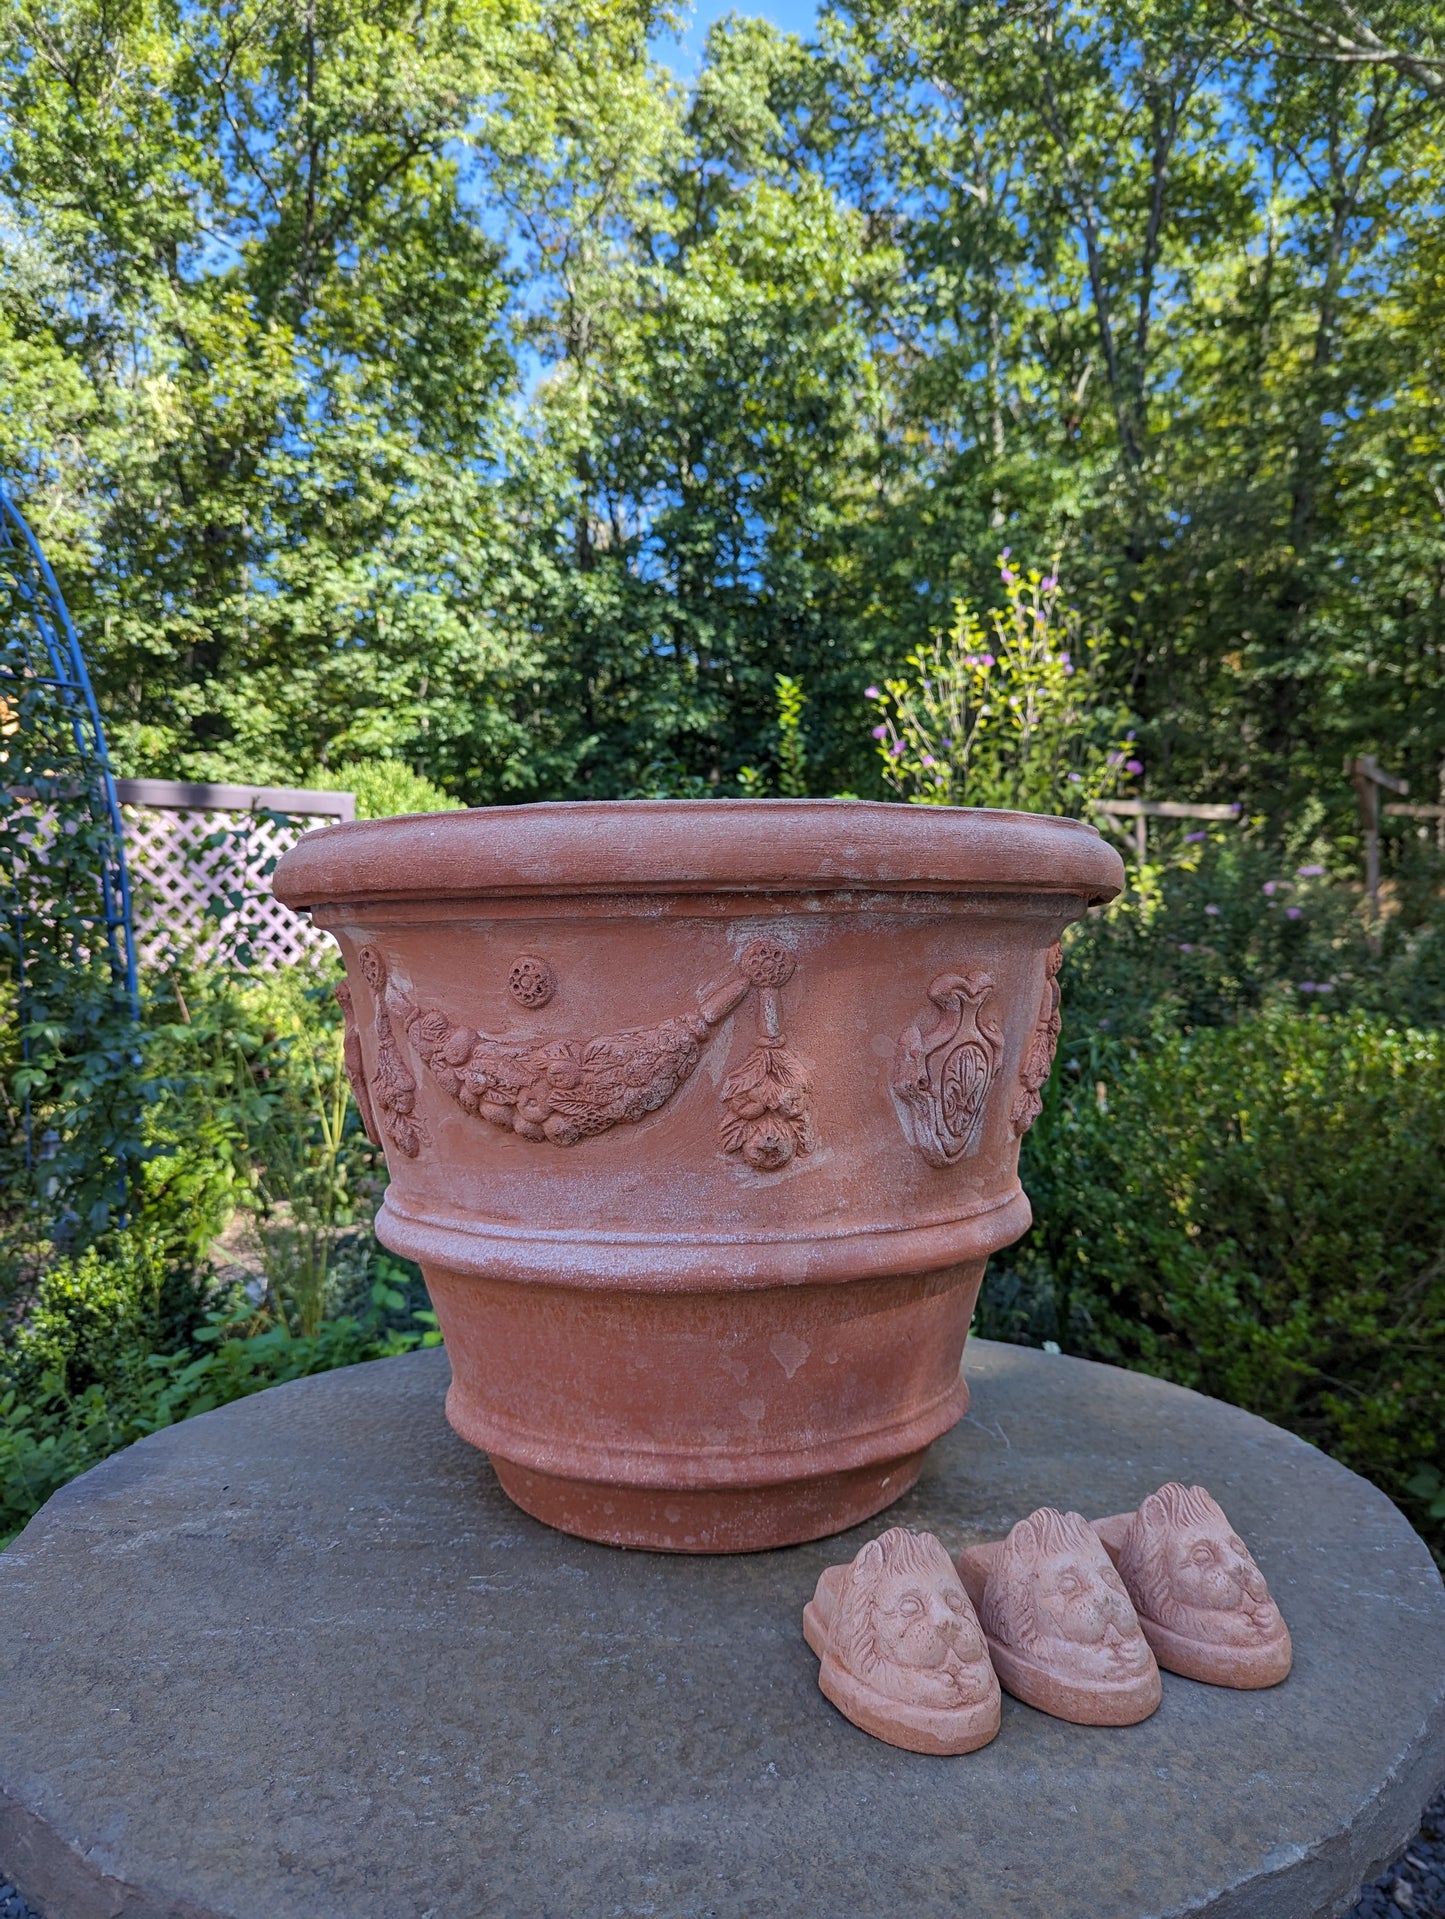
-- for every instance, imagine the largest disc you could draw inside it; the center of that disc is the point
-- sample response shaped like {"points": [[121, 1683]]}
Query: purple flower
{"points": [[1270, 887], [1294, 912], [1212, 911], [1325, 986], [1193, 839], [1309, 872], [1130, 734], [1007, 550], [1068, 672], [1185, 947], [1065, 658], [1076, 779], [947, 744], [985, 660], [871, 693], [928, 759], [1308, 986], [1007, 575], [1133, 766], [880, 732], [1050, 585], [896, 748]]}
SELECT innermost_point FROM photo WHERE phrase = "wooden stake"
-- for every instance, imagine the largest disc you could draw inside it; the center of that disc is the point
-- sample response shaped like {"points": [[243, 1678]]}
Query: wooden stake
{"points": [[1369, 779]]}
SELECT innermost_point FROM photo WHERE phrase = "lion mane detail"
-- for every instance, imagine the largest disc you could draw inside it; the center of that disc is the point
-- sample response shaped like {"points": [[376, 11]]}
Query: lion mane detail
{"points": [[854, 1637], [1143, 1563], [1010, 1611]]}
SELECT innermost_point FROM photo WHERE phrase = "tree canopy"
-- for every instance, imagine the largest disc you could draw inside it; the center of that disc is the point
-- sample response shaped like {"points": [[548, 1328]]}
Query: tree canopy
{"points": [[440, 380]]}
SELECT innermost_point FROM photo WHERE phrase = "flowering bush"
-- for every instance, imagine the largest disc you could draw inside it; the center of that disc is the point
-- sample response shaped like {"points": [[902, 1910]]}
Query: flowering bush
{"points": [[1228, 925], [1007, 709]]}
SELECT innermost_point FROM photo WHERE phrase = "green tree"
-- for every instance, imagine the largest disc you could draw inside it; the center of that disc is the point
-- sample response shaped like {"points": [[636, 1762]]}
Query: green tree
{"points": [[457, 389], [242, 246]]}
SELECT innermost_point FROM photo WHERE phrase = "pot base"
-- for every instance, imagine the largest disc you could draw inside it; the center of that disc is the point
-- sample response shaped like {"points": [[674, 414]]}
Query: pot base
{"points": [[706, 1422], [712, 1519]]}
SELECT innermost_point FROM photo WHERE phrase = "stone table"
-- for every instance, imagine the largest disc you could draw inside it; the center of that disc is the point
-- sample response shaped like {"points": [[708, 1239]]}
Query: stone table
{"points": [[300, 1659]]}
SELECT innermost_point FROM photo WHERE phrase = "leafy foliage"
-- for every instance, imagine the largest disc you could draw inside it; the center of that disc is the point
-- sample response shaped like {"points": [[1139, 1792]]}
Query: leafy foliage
{"points": [[465, 393], [103, 1360], [70, 1118], [1255, 1210], [383, 788], [1007, 714], [251, 1111], [792, 756], [247, 1131], [1222, 924]]}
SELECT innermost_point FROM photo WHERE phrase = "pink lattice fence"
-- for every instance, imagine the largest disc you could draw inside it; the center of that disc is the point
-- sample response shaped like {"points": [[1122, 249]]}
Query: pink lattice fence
{"points": [[201, 859]]}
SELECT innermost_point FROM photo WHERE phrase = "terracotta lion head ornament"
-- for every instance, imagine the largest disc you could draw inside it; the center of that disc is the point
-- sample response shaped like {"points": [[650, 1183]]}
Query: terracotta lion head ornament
{"points": [[1061, 1631], [901, 1650], [1201, 1600]]}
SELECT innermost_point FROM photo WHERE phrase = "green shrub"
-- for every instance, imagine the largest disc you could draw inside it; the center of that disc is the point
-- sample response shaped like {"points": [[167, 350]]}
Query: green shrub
{"points": [[1226, 925], [384, 788], [1007, 708], [96, 1317], [1257, 1211], [250, 1111], [114, 1347]]}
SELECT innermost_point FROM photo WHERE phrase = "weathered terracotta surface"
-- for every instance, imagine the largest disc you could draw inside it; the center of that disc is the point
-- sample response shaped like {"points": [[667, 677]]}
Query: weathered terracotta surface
{"points": [[1201, 1600], [1061, 1631], [702, 1119], [900, 1648]]}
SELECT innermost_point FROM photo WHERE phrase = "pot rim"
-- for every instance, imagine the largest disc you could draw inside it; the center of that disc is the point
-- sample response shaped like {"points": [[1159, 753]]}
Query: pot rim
{"points": [[605, 847]]}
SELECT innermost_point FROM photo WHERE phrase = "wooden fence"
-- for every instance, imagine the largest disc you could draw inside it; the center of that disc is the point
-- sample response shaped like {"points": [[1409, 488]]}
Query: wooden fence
{"points": [[201, 859], [1142, 811]]}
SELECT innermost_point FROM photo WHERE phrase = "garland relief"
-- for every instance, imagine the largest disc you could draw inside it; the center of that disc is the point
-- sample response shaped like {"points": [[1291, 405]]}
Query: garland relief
{"points": [[563, 1091]]}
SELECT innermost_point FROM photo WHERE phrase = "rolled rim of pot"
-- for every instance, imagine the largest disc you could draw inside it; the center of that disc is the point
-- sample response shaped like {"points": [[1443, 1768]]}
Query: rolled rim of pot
{"points": [[687, 846]]}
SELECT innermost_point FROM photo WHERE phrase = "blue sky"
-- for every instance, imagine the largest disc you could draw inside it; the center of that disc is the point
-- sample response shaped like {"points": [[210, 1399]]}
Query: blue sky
{"points": [[793, 16]]}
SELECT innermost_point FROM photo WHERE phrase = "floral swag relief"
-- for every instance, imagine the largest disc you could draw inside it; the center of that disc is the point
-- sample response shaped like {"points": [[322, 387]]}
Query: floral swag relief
{"points": [[564, 1091], [391, 1095], [1039, 1060], [942, 1078]]}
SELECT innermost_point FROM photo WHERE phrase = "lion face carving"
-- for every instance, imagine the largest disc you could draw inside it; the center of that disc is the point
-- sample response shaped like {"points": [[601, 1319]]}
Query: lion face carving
{"points": [[1189, 1570], [1054, 1596], [904, 1625], [901, 1651]]}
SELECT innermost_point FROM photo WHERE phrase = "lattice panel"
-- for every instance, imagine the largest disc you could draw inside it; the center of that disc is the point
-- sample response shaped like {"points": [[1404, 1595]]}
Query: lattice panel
{"points": [[201, 885]]}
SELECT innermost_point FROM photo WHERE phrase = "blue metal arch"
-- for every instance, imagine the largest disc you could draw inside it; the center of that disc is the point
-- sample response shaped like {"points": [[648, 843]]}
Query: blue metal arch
{"points": [[51, 656]]}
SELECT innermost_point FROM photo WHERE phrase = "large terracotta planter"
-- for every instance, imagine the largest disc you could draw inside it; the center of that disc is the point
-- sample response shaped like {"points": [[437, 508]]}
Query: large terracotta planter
{"points": [[702, 1119]]}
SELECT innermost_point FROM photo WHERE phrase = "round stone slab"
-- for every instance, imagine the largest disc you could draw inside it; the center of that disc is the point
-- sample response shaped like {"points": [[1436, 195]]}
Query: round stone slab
{"points": [[301, 1659]]}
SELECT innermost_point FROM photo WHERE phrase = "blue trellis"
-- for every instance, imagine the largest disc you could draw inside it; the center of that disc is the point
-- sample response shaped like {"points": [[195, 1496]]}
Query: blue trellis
{"points": [[59, 794]]}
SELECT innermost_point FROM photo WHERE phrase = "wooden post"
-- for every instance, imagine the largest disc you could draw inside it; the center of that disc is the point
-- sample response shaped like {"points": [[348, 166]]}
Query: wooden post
{"points": [[1142, 811], [1436, 813], [1368, 794], [1369, 778]]}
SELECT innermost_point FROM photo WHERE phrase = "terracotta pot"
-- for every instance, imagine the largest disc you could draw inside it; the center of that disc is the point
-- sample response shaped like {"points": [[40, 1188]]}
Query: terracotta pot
{"points": [[702, 1118]]}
